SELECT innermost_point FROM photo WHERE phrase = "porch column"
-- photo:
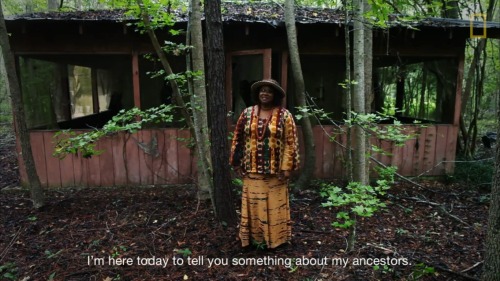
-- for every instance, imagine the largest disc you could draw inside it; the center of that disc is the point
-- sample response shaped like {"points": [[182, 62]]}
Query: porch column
{"points": [[458, 90], [135, 80]]}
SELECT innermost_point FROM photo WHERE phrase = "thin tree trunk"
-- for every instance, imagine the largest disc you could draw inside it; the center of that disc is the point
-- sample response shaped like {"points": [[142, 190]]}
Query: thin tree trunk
{"points": [[300, 94], [491, 269], [421, 106], [348, 101], [19, 117], [166, 65], [215, 76], [198, 99], [479, 96], [359, 159], [369, 95]]}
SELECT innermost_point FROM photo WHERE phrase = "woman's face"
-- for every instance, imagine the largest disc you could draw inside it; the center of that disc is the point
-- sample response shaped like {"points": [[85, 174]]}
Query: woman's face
{"points": [[266, 95]]}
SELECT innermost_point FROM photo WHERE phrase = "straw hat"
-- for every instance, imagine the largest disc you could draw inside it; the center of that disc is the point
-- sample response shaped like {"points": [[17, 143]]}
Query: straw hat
{"points": [[278, 91]]}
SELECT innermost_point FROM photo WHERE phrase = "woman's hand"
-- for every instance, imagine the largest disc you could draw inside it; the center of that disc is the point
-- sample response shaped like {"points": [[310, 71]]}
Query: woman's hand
{"points": [[284, 175], [239, 171]]}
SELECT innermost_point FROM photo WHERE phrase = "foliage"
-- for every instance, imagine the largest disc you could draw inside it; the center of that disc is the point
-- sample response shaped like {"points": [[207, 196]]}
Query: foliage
{"points": [[421, 270], [130, 121], [184, 252], [475, 173], [361, 200], [117, 251], [9, 271], [159, 15], [259, 245], [491, 81], [395, 132]]}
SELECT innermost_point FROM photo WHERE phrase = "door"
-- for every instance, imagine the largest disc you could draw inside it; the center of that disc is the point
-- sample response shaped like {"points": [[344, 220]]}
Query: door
{"points": [[243, 68]]}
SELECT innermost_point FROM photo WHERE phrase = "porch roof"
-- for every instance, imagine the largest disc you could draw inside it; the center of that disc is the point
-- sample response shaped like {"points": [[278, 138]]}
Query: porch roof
{"points": [[264, 13]]}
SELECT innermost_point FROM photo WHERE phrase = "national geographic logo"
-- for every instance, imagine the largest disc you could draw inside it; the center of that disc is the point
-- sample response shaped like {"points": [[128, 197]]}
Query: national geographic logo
{"points": [[481, 17]]}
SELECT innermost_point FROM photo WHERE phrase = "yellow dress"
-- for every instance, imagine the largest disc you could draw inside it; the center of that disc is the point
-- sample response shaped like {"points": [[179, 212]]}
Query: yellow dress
{"points": [[263, 148]]}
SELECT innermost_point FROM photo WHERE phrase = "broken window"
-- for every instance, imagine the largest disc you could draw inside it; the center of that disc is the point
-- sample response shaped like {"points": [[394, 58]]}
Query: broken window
{"points": [[423, 91], [74, 92]]}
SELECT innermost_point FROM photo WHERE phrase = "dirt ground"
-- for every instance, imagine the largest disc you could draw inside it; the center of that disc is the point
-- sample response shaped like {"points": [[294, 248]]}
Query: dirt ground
{"points": [[434, 232]]}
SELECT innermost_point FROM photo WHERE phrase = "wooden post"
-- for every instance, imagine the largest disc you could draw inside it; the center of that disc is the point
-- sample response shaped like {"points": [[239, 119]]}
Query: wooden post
{"points": [[135, 80]]}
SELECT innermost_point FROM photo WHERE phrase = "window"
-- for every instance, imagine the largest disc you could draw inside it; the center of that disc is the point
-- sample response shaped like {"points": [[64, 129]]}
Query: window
{"points": [[422, 91], [322, 77], [74, 91], [86, 97]]}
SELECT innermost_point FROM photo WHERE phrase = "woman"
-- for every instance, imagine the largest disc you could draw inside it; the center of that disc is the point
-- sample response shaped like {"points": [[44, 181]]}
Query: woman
{"points": [[264, 151]]}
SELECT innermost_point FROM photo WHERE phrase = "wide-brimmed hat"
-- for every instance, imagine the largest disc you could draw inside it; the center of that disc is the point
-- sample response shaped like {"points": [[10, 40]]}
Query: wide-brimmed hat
{"points": [[268, 82]]}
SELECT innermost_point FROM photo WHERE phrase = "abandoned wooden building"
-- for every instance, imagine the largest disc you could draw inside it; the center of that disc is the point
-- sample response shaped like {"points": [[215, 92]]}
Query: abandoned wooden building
{"points": [[77, 69]]}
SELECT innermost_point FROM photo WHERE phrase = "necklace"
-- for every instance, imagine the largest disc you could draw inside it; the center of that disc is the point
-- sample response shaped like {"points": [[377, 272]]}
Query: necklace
{"points": [[260, 135]]}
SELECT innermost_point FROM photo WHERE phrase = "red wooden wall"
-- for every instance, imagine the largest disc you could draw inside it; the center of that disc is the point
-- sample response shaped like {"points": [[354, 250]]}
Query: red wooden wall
{"points": [[124, 163]]}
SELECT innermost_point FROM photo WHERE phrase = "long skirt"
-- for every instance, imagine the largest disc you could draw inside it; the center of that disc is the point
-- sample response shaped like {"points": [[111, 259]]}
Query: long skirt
{"points": [[265, 211]]}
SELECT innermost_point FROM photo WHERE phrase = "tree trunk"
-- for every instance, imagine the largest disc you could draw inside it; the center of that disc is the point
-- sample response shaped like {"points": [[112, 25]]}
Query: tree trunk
{"points": [[369, 95], [19, 116], [491, 269], [359, 159], [348, 100], [61, 98], [215, 76], [199, 103], [166, 65], [421, 106], [300, 94]]}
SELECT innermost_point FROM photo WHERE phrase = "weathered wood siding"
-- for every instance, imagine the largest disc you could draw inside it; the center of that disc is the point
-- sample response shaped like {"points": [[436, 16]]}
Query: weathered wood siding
{"points": [[155, 157]]}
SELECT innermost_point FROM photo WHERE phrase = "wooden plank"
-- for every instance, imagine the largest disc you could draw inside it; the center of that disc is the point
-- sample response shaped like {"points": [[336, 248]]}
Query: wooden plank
{"points": [[418, 163], [136, 80], [266, 64], [441, 142], [429, 151], [194, 167], [145, 157], [106, 162], [318, 150], [377, 143], [119, 158], [67, 171], [397, 156], [374, 141], [52, 163], [406, 166], [328, 164], [94, 170], [184, 162], [451, 147], [284, 74], [80, 177], [339, 152], [132, 160], [171, 144], [23, 176], [159, 163], [38, 150], [80, 168], [387, 154]]}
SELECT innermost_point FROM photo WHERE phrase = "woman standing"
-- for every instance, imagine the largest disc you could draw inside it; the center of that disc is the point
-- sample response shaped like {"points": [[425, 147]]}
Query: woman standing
{"points": [[264, 151]]}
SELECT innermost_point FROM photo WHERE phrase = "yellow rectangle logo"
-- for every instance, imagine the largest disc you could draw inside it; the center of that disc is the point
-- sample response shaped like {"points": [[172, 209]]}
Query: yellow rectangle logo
{"points": [[472, 20]]}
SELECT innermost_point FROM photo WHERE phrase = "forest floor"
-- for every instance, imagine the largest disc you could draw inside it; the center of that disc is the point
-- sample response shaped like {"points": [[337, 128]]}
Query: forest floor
{"points": [[432, 232]]}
